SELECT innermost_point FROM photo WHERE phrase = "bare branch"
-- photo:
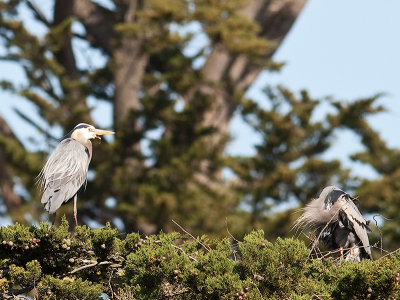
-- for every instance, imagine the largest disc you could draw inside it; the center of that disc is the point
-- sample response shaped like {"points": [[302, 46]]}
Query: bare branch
{"points": [[327, 253], [110, 285], [380, 231], [227, 229], [390, 253], [83, 267], [316, 241], [94, 263], [183, 251], [185, 231]]}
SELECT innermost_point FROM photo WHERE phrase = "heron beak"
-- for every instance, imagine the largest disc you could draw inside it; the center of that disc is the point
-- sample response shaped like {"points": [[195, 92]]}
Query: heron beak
{"points": [[100, 132]]}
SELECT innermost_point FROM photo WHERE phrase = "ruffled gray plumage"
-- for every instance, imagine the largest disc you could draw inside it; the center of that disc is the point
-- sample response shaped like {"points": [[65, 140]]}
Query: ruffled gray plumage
{"points": [[338, 223]]}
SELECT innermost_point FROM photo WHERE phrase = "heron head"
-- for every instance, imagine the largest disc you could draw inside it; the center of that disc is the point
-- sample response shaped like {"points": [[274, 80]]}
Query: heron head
{"points": [[88, 132]]}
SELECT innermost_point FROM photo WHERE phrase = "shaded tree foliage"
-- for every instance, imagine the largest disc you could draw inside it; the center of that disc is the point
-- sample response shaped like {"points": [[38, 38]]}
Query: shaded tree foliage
{"points": [[51, 263], [189, 100]]}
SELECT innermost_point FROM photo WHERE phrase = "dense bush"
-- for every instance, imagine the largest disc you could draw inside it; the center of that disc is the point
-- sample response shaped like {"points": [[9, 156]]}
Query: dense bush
{"points": [[52, 263]]}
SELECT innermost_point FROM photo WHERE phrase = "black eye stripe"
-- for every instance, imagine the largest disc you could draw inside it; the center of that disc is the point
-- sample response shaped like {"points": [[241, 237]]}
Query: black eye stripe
{"points": [[81, 126]]}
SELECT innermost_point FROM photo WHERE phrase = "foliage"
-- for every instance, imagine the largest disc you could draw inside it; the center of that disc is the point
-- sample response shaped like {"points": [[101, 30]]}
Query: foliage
{"points": [[180, 266], [172, 115], [148, 194]]}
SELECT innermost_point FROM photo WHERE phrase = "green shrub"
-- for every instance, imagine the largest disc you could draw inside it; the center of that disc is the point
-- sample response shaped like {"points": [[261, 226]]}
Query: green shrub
{"points": [[52, 263]]}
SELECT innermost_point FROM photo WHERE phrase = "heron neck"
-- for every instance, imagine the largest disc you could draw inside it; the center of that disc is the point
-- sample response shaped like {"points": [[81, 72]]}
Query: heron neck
{"points": [[85, 142], [88, 145]]}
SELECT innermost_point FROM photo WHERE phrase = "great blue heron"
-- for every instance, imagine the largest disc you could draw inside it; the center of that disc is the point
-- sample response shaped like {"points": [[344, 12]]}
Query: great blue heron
{"points": [[66, 169], [338, 223]]}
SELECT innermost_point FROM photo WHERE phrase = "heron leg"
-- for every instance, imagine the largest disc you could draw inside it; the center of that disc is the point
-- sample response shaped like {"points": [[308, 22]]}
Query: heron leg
{"points": [[75, 210]]}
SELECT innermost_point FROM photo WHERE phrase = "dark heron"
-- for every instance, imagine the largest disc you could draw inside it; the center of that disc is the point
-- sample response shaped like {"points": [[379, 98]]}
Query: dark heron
{"points": [[65, 172], [338, 223]]}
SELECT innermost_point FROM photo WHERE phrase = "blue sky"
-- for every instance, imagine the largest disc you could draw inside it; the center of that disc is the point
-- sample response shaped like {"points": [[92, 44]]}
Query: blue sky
{"points": [[346, 49]]}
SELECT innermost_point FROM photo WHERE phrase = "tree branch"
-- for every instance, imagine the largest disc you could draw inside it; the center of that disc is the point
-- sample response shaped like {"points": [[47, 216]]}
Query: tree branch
{"points": [[38, 13], [65, 56], [63, 10], [94, 263], [10, 198], [98, 22], [191, 235], [275, 18]]}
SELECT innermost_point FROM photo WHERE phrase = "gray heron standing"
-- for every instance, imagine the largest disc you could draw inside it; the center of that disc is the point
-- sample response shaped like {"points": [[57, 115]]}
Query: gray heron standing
{"points": [[65, 172], [338, 223]]}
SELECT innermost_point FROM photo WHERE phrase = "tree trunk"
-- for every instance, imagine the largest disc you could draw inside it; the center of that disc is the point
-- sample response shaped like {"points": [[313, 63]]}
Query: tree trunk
{"points": [[130, 64], [74, 101], [275, 18]]}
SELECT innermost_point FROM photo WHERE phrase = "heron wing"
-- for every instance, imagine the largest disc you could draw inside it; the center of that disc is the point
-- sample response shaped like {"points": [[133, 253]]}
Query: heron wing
{"points": [[64, 173], [357, 221]]}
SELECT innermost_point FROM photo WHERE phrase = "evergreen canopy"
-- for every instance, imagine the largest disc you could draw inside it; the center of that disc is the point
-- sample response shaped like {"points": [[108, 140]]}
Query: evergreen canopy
{"points": [[154, 86]]}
